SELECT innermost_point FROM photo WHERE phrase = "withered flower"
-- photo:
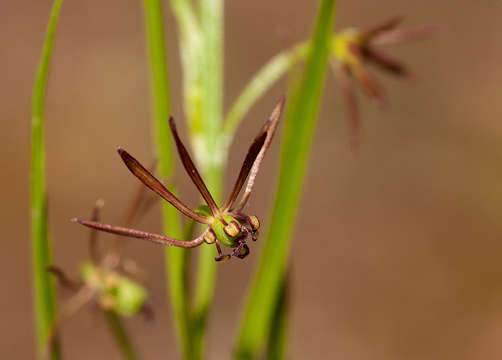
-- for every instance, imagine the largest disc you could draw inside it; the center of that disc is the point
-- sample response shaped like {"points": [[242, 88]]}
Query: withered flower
{"points": [[352, 49], [227, 225], [106, 279]]}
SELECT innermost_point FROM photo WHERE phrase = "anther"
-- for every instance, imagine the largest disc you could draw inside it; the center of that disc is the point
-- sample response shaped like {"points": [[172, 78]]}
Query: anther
{"points": [[222, 258], [232, 229], [254, 222], [244, 252], [210, 237]]}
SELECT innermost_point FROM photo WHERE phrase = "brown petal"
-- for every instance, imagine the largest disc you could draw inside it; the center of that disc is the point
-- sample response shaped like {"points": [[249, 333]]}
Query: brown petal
{"points": [[384, 61], [382, 28], [399, 36], [350, 98], [267, 131], [192, 170], [62, 277], [368, 83], [155, 185], [156, 238]]}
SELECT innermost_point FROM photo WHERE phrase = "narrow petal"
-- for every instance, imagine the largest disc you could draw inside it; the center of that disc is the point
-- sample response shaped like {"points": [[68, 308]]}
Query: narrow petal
{"points": [[139, 204], [369, 84], [156, 238], [192, 170], [268, 131], [253, 152], [155, 185], [387, 26], [350, 98], [62, 278], [399, 36], [384, 61]]}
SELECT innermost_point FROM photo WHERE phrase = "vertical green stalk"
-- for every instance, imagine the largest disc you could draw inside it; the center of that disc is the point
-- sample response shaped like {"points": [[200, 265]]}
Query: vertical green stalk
{"points": [[209, 152], [301, 118], [175, 257], [120, 335], [276, 347], [45, 299]]}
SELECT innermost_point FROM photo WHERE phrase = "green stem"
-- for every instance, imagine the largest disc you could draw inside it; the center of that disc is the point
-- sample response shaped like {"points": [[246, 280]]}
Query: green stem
{"points": [[45, 298], [209, 152], [176, 259], [276, 349], [272, 71], [301, 118], [120, 335]]}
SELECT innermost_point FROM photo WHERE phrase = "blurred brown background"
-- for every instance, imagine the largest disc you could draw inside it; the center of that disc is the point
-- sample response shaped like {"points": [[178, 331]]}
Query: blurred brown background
{"points": [[397, 252]]}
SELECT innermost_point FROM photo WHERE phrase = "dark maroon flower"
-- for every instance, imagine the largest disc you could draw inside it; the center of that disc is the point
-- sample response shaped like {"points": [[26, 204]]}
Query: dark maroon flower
{"points": [[227, 224]]}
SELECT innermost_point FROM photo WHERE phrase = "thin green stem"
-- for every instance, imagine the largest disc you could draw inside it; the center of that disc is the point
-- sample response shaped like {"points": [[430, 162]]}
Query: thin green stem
{"points": [[191, 57], [45, 298], [272, 71], [301, 118], [176, 258], [120, 335], [209, 152]]}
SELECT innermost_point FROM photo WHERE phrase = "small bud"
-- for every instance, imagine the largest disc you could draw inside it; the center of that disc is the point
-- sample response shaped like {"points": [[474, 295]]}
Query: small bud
{"points": [[254, 222], [210, 237], [232, 229]]}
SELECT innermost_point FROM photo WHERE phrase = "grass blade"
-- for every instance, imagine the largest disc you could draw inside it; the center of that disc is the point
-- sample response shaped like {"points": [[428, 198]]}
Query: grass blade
{"points": [[119, 333], [277, 349], [45, 301], [176, 258], [260, 83], [209, 152], [301, 118]]}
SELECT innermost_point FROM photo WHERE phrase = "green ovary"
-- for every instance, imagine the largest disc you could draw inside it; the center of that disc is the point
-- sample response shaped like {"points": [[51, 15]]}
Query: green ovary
{"points": [[220, 232]]}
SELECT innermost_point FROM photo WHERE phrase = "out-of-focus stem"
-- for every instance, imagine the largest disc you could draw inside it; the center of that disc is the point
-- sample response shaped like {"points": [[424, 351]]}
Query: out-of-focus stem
{"points": [[120, 335], [45, 298], [272, 71], [175, 257], [276, 347], [209, 152], [300, 122]]}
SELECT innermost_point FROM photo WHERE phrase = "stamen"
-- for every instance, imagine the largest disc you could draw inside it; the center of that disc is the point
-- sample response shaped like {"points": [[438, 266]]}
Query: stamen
{"points": [[244, 252], [254, 222], [232, 229], [210, 237]]}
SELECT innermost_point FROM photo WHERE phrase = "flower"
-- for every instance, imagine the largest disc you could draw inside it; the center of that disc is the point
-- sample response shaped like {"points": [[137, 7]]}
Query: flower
{"points": [[226, 225], [352, 49]]}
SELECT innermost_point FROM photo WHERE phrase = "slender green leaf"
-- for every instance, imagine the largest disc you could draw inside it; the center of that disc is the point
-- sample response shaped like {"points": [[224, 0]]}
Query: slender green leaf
{"points": [[209, 153], [45, 298], [276, 347], [260, 83], [301, 118], [120, 335], [176, 258]]}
